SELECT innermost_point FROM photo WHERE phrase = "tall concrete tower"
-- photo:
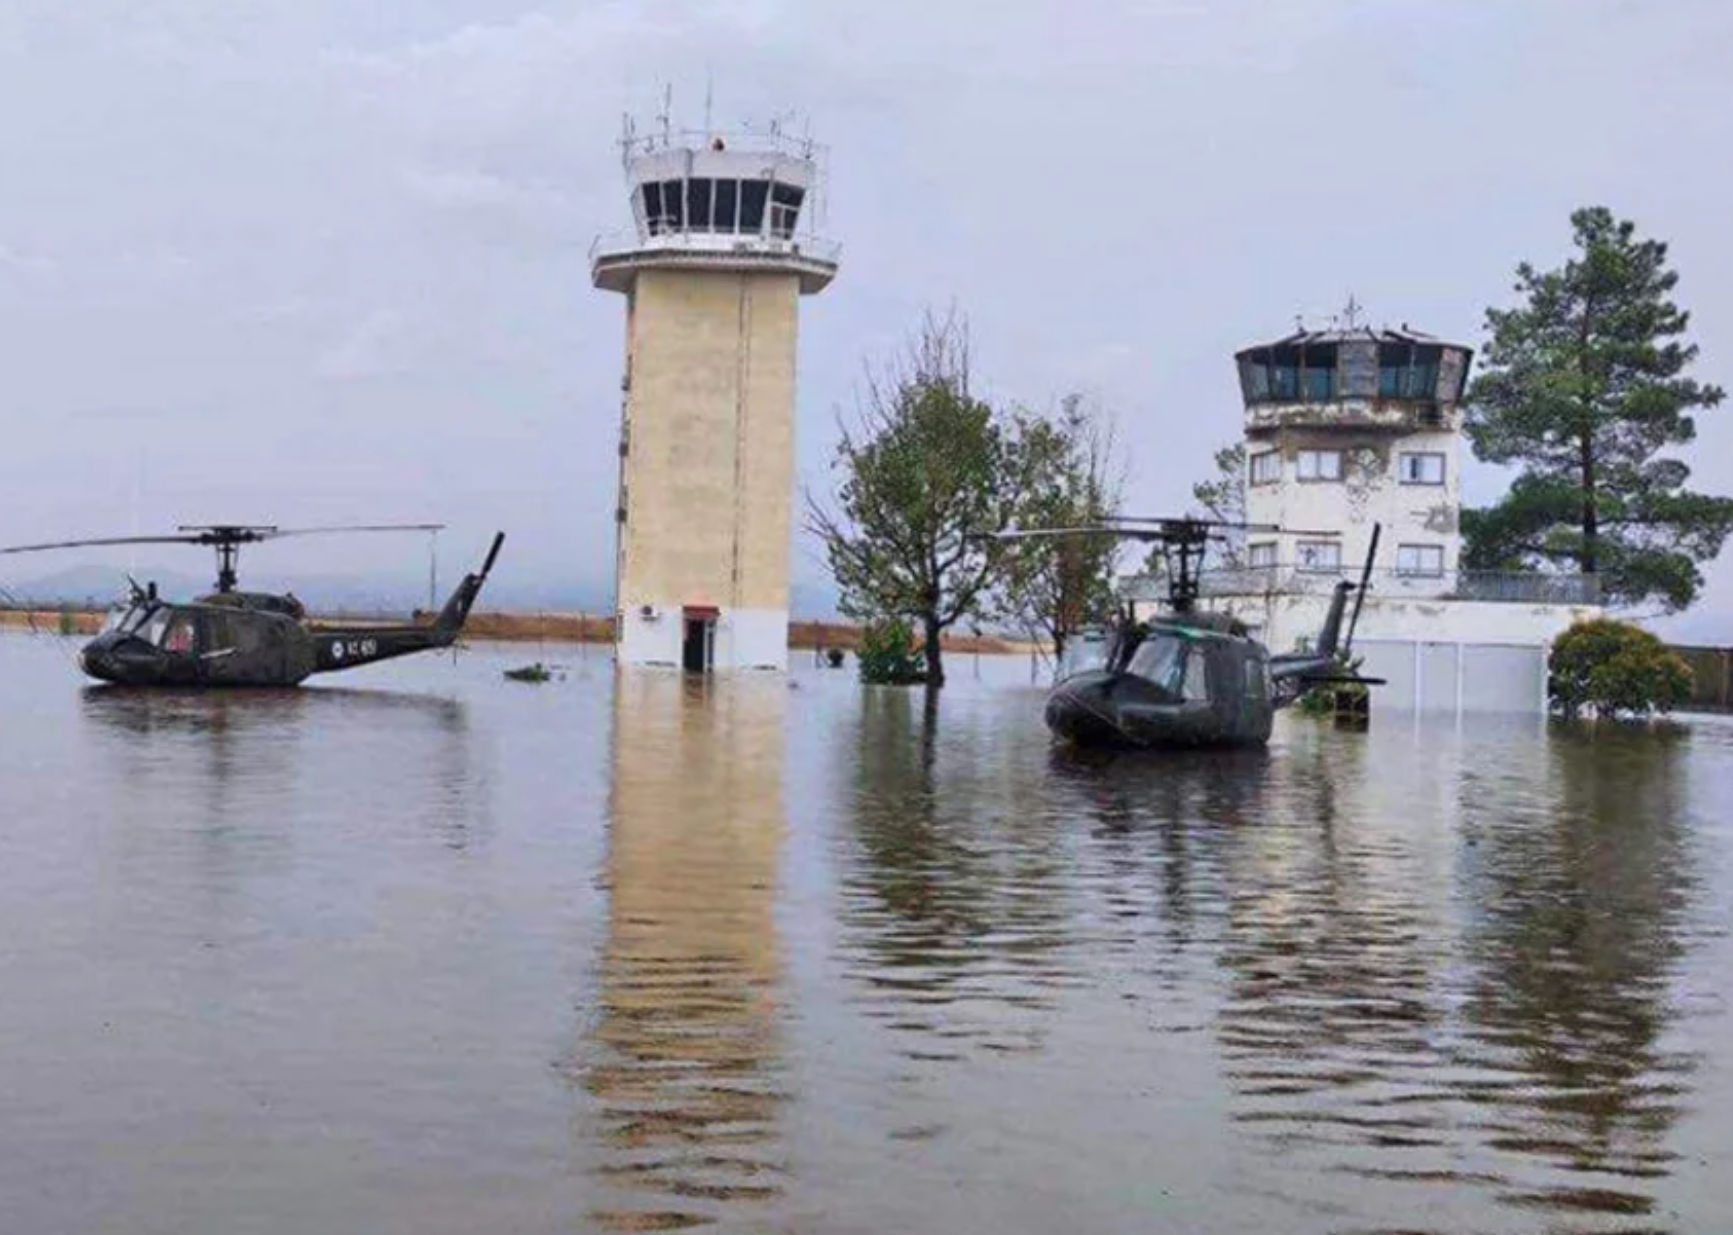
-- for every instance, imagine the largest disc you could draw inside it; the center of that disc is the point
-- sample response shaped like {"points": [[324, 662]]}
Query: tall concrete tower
{"points": [[721, 249]]}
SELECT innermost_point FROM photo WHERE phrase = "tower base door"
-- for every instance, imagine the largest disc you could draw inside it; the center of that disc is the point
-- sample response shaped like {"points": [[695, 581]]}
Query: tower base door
{"points": [[698, 649]]}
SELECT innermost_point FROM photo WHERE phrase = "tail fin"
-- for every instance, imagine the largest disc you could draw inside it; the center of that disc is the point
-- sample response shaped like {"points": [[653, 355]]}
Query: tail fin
{"points": [[456, 612], [1331, 635]]}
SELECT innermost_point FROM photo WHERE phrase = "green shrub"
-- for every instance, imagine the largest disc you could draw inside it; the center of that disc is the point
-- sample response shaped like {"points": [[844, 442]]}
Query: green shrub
{"points": [[1320, 700], [1616, 669], [887, 654]]}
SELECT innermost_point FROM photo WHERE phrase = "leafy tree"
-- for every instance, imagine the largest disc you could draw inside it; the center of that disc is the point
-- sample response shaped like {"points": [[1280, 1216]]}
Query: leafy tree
{"points": [[1058, 586], [1584, 385], [1616, 669], [928, 472]]}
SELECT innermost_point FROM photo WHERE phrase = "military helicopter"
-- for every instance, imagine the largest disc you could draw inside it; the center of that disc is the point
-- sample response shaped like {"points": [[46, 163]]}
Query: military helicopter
{"points": [[1186, 677], [235, 638]]}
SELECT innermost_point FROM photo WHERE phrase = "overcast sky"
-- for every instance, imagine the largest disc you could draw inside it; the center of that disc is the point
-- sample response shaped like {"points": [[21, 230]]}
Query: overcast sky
{"points": [[313, 260]]}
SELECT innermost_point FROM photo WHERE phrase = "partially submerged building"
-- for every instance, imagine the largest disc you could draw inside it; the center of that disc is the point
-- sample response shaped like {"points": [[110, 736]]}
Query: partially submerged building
{"points": [[1347, 428]]}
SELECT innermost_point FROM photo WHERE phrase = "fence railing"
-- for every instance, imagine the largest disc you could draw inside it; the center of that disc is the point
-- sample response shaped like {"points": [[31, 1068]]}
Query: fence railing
{"points": [[1498, 587]]}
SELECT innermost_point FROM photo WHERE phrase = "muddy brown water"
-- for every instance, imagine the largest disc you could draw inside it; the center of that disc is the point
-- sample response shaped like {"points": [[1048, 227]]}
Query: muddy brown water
{"points": [[428, 951]]}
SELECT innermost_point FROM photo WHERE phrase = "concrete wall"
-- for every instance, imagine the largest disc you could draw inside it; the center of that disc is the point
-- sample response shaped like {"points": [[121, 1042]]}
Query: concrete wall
{"points": [[1281, 621], [707, 477]]}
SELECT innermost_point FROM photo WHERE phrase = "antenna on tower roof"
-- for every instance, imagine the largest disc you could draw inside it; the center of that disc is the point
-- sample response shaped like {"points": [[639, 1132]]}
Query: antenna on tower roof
{"points": [[1351, 312], [709, 87], [667, 114]]}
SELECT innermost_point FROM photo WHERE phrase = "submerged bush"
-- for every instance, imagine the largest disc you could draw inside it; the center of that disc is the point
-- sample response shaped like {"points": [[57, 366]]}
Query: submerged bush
{"points": [[887, 654], [1615, 669]]}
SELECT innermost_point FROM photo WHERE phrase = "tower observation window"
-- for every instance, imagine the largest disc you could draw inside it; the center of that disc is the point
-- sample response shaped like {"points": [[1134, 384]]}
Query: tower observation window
{"points": [[726, 206], [698, 205], [652, 191], [673, 206], [752, 198], [1408, 370], [1318, 375], [785, 202]]}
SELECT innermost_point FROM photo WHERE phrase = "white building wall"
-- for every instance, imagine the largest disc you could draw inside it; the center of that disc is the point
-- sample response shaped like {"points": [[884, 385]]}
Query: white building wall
{"points": [[1369, 492], [743, 639]]}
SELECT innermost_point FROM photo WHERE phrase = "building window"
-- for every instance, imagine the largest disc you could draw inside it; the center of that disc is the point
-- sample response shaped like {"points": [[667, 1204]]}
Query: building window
{"points": [[1318, 375], [727, 195], [1421, 468], [1319, 556], [1423, 560], [1265, 467], [1319, 465], [785, 202], [752, 197], [673, 205], [1261, 555], [653, 207], [698, 205]]}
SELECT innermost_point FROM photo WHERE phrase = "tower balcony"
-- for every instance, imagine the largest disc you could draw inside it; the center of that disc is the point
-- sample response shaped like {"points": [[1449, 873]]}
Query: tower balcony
{"points": [[616, 257], [1393, 416]]}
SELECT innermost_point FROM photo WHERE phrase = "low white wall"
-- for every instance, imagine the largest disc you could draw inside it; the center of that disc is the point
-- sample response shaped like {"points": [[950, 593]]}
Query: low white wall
{"points": [[745, 639]]}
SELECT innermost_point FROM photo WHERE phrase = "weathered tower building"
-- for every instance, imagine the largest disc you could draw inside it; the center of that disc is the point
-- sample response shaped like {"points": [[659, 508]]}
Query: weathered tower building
{"points": [[721, 249], [1347, 428], [1350, 428]]}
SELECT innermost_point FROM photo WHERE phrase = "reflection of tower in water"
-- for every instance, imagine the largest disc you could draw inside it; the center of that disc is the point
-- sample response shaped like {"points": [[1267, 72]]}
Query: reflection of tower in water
{"points": [[683, 1056]]}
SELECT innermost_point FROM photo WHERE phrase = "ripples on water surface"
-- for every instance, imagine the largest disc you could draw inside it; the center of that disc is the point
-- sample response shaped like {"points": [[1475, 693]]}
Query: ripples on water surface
{"points": [[439, 953]]}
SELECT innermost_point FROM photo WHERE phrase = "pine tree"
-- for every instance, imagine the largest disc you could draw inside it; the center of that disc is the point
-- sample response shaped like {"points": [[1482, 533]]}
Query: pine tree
{"points": [[1584, 386]]}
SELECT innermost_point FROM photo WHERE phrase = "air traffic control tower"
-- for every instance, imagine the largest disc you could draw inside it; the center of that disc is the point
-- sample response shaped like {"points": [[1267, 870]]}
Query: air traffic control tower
{"points": [[721, 249]]}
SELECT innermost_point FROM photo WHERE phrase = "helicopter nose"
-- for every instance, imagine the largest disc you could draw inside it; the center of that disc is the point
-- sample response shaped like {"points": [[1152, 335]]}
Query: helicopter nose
{"points": [[97, 659]]}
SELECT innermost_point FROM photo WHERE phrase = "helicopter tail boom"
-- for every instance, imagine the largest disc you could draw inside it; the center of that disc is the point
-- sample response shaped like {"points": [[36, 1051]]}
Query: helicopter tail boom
{"points": [[456, 612], [348, 647]]}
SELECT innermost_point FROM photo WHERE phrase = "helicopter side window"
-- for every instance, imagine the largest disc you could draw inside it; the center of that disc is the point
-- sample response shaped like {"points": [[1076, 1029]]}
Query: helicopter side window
{"points": [[178, 633], [1197, 678], [1257, 679]]}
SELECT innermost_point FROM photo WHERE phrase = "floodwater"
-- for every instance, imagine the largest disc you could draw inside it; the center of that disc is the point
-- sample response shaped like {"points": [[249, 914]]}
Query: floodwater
{"points": [[435, 952]]}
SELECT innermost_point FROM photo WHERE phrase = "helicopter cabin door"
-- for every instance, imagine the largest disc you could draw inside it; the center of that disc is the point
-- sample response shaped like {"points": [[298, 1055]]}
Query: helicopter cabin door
{"points": [[698, 648], [222, 660]]}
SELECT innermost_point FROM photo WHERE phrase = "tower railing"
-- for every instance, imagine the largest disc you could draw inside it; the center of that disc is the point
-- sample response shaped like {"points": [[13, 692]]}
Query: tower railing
{"points": [[1497, 587], [769, 141], [721, 244]]}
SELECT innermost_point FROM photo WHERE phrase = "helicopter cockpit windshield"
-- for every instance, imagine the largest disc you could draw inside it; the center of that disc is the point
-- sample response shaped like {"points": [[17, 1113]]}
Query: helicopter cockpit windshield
{"points": [[1087, 650], [1169, 661], [127, 621]]}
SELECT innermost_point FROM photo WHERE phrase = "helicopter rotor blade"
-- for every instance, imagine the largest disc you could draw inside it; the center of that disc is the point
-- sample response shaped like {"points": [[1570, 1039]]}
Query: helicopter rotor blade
{"points": [[277, 533], [104, 540]]}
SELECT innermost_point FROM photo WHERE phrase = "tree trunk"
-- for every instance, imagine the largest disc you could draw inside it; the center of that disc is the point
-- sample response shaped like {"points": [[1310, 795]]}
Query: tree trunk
{"points": [[935, 661], [1591, 521]]}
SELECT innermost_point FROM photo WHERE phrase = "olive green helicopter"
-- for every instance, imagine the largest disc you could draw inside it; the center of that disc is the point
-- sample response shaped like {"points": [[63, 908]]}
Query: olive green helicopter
{"points": [[231, 638]]}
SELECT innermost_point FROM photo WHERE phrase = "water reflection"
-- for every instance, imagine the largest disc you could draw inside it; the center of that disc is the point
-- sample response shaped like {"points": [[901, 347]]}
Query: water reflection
{"points": [[243, 751], [1579, 883], [954, 880], [684, 1057]]}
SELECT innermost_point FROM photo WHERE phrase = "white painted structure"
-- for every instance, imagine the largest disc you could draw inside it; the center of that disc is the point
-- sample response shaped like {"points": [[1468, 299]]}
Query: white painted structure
{"points": [[1349, 428], [720, 251]]}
